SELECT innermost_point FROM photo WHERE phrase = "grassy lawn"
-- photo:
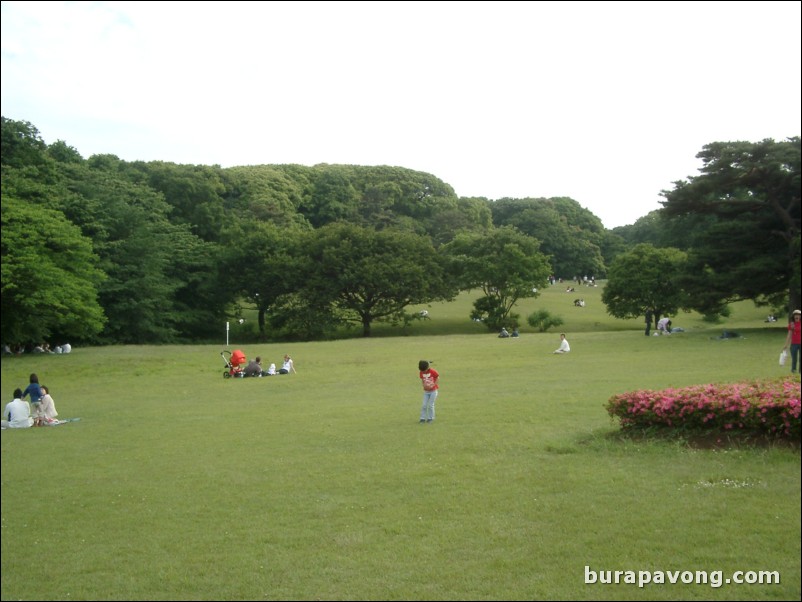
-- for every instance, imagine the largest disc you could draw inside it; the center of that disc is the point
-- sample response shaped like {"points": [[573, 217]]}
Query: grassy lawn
{"points": [[178, 484]]}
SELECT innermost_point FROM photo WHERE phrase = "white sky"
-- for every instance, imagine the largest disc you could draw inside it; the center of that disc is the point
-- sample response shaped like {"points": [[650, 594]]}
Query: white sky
{"points": [[604, 102]]}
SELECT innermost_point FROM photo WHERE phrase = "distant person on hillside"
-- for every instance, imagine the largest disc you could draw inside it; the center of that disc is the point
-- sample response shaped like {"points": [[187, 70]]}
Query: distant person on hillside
{"points": [[564, 346], [503, 334], [794, 339], [429, 377], [664, 326], [17, 413], [648, 318]]}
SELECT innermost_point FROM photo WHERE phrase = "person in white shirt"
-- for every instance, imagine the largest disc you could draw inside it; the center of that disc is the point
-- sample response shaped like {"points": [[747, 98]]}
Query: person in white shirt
{"points": [[564, 346], [17, 413], [664, 326], [288, 366]]}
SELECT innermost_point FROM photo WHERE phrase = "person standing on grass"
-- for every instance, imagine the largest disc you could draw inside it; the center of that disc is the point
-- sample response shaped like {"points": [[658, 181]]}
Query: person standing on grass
{"points": [[17, 413], [429, 377], [35, 391], [794, 339]]}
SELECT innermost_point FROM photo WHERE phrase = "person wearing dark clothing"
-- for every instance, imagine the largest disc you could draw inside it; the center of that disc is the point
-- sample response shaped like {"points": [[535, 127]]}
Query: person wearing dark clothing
{"points": [[254, 367], [36, 393]]}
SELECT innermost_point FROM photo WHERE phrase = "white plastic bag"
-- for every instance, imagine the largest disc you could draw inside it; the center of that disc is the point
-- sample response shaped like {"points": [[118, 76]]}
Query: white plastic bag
{"points": [[783, 357]]}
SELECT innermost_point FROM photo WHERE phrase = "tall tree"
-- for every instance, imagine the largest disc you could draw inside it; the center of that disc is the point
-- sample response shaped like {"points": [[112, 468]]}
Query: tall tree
{"points": [[20, 144], [570, 235], [749, 194], [266, 193], [193, 192], [262, 263], [50, 277], [505, 264], [644, 280], [157, 270], [373, 275], [333, 196]]}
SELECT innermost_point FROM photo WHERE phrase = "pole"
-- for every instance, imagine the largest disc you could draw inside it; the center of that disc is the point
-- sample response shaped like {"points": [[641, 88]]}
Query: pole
{"points": [[227, 328]]}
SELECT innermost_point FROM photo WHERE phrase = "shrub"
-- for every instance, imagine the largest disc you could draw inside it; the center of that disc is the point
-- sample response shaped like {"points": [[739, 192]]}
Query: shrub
{"points": [[543, 320], [763, 407]]}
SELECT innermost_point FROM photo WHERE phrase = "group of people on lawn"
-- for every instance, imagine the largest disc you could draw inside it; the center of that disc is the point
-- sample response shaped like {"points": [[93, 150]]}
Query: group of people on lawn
{"points": [[40, 411], [254, 367]]}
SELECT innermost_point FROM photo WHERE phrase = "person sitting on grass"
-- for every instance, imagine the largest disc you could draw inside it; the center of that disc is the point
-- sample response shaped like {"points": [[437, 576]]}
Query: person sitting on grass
{"points": [[254, 367], [288, 367], [564, 346], [17, 413], [49, 415]]}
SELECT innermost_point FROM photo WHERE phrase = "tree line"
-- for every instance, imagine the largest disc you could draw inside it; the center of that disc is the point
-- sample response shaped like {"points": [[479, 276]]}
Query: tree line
{"points": [[105, 251]]}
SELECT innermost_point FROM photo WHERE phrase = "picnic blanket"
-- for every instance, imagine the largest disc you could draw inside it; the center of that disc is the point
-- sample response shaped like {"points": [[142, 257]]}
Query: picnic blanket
{"points": [[65, 421], [54, 423]]}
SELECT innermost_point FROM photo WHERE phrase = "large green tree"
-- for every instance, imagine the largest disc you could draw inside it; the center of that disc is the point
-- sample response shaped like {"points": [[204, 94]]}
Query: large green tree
{"points": [[193, 191], [370, 275], [266, 193], [263, 264], [20, 144], [569, 235], [50, 277], [505, 264], [748, 196], [160, 284], [644, 279]]}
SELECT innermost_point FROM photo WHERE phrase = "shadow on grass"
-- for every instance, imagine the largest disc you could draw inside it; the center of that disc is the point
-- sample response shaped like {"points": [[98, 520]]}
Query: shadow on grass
{"points": [[711, 439]]}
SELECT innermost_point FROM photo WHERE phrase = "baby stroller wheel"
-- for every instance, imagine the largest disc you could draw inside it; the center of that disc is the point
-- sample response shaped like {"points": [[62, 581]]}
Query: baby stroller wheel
{"points": [[226, 375]]}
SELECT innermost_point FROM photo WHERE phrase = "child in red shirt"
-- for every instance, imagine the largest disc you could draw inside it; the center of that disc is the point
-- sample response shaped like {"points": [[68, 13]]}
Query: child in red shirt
{"points": [[429, 377]]}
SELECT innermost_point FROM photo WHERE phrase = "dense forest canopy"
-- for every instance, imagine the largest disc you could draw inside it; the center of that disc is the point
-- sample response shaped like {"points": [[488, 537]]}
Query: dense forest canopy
{"points": [[104, 251]]}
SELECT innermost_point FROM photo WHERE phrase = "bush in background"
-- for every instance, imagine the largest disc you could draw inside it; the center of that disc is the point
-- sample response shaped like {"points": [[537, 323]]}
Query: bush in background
{"points": [[543, 320]]}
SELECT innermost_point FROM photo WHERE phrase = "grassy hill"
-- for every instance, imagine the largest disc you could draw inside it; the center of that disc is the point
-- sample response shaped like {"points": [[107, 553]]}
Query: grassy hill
{"points": [[178, 484], [453, 318]]}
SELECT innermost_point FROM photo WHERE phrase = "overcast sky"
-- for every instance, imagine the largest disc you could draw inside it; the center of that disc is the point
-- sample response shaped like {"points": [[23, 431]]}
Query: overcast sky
{"points": [[604, 102]]}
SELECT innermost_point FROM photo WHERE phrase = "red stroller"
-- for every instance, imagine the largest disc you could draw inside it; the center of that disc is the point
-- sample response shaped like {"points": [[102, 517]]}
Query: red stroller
{"points": [[235, 363]]}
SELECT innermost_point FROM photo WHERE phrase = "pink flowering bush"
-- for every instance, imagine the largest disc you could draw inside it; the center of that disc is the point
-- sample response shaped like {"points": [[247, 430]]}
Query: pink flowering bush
{"points": [[764, 407]]}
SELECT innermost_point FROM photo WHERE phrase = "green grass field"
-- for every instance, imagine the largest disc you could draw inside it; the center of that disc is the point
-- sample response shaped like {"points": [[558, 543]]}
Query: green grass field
{"points": [[178, 484]]}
